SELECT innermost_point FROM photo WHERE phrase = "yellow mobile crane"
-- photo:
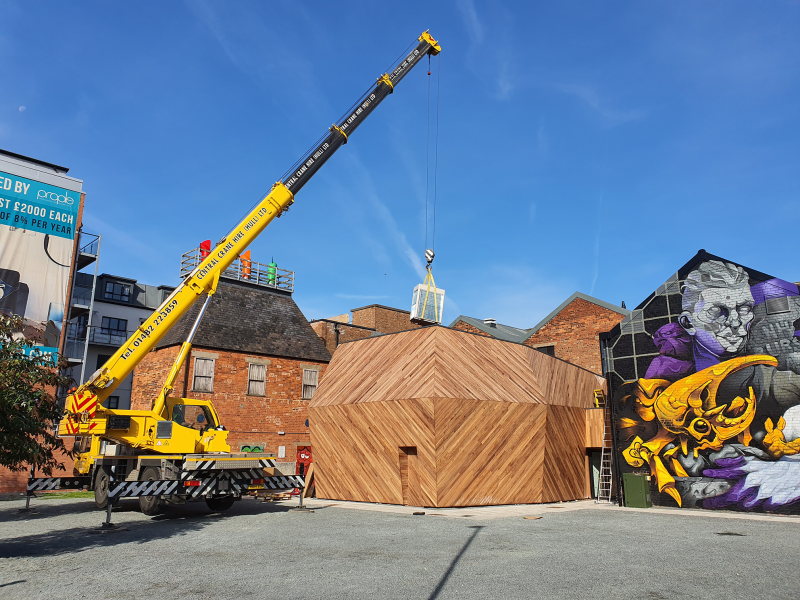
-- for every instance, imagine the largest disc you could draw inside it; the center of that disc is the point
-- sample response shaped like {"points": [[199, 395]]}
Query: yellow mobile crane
{"points": [[158, 455]]}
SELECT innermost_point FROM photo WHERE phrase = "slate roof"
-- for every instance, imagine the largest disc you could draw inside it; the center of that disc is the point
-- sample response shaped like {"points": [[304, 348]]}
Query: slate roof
{"points": [[514, 334], [243, 318], [501, 332]]}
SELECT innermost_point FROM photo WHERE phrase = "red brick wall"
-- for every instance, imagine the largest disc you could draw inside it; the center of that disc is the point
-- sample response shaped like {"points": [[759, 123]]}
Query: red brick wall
{"points": [[383, 320], [462, 326], [17, 481], [346, 333], [575, 333], [251, 420]]}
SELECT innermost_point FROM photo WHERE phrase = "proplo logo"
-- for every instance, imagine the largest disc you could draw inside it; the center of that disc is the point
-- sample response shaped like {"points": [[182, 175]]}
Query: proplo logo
{"points": [[53, 197]]}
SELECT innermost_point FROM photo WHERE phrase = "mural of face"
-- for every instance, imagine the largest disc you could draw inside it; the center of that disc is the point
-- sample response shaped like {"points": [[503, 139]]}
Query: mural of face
{"points": [[718, 307], [725, 315]]}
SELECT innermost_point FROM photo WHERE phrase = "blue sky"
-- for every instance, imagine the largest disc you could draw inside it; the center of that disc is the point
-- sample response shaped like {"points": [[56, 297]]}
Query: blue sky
{"points": [[582, 146]]}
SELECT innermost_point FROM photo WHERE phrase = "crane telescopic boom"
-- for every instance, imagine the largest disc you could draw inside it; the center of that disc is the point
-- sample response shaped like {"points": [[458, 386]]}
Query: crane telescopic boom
{"points": [[82, 404]]}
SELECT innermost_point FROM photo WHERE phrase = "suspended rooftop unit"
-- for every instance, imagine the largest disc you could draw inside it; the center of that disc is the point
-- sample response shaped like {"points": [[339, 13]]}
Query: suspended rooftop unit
{"points": [[427, 304]]}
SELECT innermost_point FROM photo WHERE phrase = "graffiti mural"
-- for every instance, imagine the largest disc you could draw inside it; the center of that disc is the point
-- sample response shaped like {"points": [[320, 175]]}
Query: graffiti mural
{"points": [[705, 380]]}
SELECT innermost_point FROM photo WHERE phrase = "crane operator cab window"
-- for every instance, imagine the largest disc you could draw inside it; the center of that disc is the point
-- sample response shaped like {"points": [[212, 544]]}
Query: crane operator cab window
{"points": [[193, 417]]}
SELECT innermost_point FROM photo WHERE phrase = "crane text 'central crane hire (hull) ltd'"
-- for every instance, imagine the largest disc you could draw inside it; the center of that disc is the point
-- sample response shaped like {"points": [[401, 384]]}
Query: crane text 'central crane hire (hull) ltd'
{"points": [[154, 454]]}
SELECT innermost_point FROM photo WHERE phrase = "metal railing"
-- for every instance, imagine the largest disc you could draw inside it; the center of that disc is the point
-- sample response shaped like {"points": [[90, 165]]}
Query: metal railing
{"points": [[81, 296], [89, 243], [76, 337], [110, 337], [250, 271]]}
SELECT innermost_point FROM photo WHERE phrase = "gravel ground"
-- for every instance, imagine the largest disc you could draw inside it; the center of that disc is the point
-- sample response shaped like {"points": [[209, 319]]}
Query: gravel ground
{"points": [[259, 550]]}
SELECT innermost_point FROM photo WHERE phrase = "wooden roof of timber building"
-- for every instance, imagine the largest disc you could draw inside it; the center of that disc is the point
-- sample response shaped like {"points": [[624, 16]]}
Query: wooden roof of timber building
{"points": [[244, 318], [440, 417]]}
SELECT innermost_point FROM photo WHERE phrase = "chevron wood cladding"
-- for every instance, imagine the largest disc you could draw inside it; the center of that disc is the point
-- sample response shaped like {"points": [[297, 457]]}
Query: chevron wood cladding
{"points": [[389, 367], [357, 450], [488, 452], [437, 362], [594, 427], [564, 475], [492, 422]]}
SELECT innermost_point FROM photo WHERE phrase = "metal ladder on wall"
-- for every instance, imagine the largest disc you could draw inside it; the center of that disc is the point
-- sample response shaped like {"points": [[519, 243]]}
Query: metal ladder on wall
{"points": [[604, 486]]}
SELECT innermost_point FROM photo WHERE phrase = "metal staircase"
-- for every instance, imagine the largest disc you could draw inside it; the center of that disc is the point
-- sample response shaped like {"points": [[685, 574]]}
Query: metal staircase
{"points": [[604, 486]]}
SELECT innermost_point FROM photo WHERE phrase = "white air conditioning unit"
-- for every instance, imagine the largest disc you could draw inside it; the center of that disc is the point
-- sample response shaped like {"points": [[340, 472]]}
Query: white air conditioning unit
{"points": [[430, 312]]}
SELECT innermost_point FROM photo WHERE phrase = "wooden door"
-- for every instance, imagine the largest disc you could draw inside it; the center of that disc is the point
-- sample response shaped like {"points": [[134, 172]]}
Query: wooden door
{"points": [[409, 476]]}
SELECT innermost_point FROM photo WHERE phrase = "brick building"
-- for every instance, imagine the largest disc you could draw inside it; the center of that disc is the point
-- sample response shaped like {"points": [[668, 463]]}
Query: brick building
{"points": [[366, 321], [255, 356], [571, 332]]}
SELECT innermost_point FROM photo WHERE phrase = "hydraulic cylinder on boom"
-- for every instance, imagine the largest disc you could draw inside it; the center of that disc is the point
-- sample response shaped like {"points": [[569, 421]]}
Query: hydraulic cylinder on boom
{"points": [[161, 432]]}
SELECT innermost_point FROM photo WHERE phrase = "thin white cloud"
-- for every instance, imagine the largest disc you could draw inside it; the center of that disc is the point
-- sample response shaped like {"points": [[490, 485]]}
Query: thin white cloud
{"points": [[471, 21], [589, 95], [412, 257], [493, 64], [596, 262]]}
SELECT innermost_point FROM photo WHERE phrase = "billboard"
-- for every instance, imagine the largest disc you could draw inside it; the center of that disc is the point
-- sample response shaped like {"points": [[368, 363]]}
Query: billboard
{"points": [[39, 213]]}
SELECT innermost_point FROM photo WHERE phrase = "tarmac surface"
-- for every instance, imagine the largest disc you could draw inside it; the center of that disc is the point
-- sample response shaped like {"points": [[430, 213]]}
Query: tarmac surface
{"points": [[262, 550]]}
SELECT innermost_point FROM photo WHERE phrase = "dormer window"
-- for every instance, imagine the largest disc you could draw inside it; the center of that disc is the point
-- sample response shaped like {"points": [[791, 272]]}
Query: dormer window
{"points": [[117, 291]]}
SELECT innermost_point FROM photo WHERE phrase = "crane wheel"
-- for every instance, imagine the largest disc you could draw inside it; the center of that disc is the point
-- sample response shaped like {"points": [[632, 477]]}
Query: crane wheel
{"points": [[151, 505], [101, 487], [220, 504]]}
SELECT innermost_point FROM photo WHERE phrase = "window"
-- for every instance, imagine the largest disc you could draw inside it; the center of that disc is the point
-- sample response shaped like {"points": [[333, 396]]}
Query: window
{"points": [[203, 375], [549, 350], [111, 326], [310, 381], [112, 402], [117, 291], [193, 417], [256, 383], [101, 360]]}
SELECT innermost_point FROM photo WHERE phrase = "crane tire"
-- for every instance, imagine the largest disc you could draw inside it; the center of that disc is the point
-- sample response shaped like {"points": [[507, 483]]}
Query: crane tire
{"points": [[101, 478], [151, 505], [220, 504]]}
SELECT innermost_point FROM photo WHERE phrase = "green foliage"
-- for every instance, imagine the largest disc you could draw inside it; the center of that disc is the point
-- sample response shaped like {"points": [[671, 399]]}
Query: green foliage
{"points": [[28, 407]]}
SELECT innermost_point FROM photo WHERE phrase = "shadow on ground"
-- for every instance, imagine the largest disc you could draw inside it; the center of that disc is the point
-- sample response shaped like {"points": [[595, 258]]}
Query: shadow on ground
{"points": [[174, 522]]}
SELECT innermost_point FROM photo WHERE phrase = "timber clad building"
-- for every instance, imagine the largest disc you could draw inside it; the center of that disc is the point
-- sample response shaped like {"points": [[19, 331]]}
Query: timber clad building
{"points": [[571, 332], [255, 356], [441, 417]]}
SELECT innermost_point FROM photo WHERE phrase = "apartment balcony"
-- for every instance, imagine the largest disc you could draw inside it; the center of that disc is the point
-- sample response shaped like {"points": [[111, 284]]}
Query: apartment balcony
{"points": [[250, 271], [80, 301], [107, 337], [88, 249]]}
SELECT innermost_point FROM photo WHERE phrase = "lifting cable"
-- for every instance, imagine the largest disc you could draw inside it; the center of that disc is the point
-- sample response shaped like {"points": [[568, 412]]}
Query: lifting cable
{"points": [[428, 154], [429, 253]]}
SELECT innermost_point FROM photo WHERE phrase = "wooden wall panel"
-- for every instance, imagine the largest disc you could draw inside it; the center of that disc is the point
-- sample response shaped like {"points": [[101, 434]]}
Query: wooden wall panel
{"points": [[562, 383], [595, 424], [564, 451], [482, 368], [389, 367], [488, 452], [357, 450]]}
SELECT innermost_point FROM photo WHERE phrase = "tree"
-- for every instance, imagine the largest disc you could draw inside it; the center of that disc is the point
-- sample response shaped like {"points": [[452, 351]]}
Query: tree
{"points": [[28, 407]]}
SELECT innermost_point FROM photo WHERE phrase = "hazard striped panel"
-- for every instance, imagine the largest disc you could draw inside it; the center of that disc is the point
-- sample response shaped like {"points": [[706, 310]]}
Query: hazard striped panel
{"points": [[128, 489], [42, 484], [230, 482]]}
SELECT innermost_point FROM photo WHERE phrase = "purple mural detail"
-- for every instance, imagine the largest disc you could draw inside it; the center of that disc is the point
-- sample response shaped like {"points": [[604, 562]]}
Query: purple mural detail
{"points": [[675, 348], [773, 288], [766, 484]]}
